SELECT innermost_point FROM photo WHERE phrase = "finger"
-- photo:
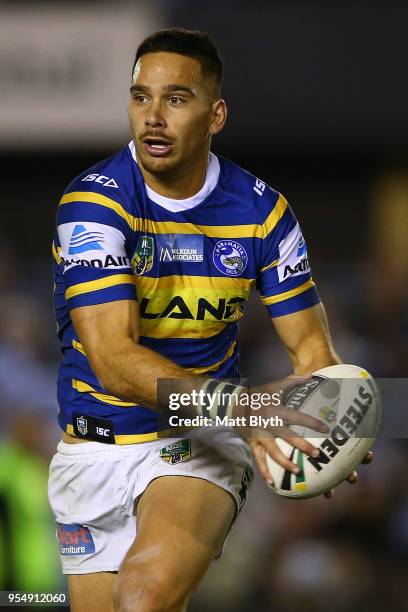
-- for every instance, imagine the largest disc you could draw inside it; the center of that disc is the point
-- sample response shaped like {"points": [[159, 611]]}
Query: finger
{"points": [[368, 458], [303, 445], [293, 417], [278, 456], [353, 477], [287, 434], [260, 458], [329, 494]]}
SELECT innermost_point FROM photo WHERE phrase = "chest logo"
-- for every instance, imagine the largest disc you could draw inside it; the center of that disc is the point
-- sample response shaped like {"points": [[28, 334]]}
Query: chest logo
{"points": [[180, 247], [230, 257], [142, 260]]}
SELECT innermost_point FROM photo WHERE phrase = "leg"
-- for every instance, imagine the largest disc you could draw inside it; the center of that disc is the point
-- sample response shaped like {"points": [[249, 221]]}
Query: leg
{"points": [[91, 592], [181, 525]]}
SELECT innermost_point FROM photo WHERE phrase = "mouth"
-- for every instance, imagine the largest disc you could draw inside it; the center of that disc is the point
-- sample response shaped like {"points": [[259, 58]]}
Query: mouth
{"points": [[157, 147]]}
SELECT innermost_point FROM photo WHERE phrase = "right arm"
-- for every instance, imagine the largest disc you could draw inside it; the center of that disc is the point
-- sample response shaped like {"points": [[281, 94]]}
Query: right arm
{"points": [[109, 334]]}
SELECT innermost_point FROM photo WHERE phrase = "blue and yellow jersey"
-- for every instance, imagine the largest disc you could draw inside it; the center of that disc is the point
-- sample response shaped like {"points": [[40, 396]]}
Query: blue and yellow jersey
{"points": [[191, 264]]}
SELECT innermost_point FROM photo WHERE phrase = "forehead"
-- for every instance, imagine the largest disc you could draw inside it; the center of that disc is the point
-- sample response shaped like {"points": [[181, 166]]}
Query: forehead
{"points": [[162, 67]]}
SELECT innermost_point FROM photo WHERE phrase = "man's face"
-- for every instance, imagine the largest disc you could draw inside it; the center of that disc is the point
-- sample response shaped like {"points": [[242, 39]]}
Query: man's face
{"points": [[173, 112]]}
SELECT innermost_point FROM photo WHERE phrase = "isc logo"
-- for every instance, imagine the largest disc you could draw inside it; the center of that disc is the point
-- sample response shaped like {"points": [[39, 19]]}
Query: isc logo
{"points": [[102, 180], [101, 431], [259, 187]]}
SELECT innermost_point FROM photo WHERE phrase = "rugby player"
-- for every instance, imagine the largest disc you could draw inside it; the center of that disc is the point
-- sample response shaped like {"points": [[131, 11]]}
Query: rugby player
{"points": [[156, 251]]}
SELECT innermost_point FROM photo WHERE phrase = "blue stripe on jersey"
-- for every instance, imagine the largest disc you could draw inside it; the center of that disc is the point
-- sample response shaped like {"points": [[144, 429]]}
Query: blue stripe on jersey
{"points": [[111, 294], [300, 302], [193, 352], [88, 211]]}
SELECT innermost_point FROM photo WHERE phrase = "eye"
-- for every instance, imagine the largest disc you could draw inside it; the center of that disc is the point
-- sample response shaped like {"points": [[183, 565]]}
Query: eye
{"points": [[140, 98], [176, 100]]}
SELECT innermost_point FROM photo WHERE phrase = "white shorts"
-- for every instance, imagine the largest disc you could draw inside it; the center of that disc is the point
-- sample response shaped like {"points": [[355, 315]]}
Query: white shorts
{"points": [[93, 488]]}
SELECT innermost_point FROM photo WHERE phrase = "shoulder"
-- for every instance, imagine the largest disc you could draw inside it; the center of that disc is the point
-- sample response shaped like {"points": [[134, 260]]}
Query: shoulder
{"points": [[102, 194], [266, 203], [111, 178]]}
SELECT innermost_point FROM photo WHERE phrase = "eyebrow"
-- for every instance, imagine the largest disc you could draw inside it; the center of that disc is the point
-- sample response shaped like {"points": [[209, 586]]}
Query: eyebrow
{"points": [[170, 88]]}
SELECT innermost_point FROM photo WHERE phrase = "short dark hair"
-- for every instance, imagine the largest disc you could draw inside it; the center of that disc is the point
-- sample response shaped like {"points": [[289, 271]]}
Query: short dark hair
{"points": [[191, 43]]}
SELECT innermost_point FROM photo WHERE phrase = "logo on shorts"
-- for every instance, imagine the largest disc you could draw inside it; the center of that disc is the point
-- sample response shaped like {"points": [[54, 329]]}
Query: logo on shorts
{"points": [[230, 257], [142, 260], [177, 452], [75, 539], [82, 425], [245, 482]]}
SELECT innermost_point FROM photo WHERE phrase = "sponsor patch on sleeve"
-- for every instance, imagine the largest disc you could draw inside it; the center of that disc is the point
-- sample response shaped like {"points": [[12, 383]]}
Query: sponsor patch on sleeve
{"points": [[92, 245], [75, 539], [293, 259]]}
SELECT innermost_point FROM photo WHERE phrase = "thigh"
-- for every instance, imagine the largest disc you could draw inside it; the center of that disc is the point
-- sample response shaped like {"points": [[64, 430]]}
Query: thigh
{"points": [[182, 523], [92, 501], [91, 592]]}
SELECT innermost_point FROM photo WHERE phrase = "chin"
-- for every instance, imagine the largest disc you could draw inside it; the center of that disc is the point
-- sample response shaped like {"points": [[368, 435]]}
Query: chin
{"points": [[158, 165]]}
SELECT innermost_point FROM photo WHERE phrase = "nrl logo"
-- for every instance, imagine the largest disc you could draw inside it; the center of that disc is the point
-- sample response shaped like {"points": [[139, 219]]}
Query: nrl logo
{"points": [[142, 260], [177, 452], [82, 425]]}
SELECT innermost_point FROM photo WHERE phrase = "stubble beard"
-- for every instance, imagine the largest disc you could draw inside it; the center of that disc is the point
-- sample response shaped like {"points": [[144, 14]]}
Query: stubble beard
{"points": [[160, 166]]}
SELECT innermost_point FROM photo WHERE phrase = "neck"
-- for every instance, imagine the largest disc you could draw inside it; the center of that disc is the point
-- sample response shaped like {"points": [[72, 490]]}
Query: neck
{"points": [[178, 184]]}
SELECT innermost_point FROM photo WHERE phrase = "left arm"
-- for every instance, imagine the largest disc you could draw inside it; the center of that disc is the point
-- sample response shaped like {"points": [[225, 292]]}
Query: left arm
{"points": [[306, 337], [288, 292]]}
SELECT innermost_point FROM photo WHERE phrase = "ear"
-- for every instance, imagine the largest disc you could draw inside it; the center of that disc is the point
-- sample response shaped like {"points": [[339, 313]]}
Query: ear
{"points": [[219, 114]]}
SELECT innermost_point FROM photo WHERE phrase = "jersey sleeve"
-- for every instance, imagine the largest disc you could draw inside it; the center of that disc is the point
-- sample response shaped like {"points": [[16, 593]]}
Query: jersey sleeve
{"points": [[284, 279], [91, 249]]}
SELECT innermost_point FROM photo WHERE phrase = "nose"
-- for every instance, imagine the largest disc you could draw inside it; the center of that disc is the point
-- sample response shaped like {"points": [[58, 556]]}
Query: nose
{"points": [[154, 117]]}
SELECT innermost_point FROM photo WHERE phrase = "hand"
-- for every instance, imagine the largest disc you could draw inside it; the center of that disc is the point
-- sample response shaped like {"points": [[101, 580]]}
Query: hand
{"points": [[353, 477], [261, 446], [265, 403]]}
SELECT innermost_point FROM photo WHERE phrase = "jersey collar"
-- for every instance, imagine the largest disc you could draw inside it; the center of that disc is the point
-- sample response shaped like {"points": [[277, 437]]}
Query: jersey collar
{"points": [[211, 180]]}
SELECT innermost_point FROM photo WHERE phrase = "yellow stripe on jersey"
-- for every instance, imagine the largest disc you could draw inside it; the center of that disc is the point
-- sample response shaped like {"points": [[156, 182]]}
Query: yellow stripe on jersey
{"points": [[276, 215], [135, 438], [271, 265], [211, 231], [171, 328], [226, 284], [171, 227], [132, 438], [96, 198], [56, 252], [170, 307], [100, 283], [274, 299], [214, 366], [83, 387], [78, 347]]}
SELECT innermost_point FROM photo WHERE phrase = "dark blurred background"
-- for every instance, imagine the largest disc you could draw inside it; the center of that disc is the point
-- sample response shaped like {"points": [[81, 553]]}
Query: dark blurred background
{"points": [[318, 99]]}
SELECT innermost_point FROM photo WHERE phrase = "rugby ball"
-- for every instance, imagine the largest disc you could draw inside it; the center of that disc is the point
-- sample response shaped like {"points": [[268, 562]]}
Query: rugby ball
{"points": [[348, 400]]}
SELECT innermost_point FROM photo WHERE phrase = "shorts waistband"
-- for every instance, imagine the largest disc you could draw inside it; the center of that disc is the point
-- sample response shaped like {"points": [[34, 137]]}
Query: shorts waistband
{"points": [[91, 447]]}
